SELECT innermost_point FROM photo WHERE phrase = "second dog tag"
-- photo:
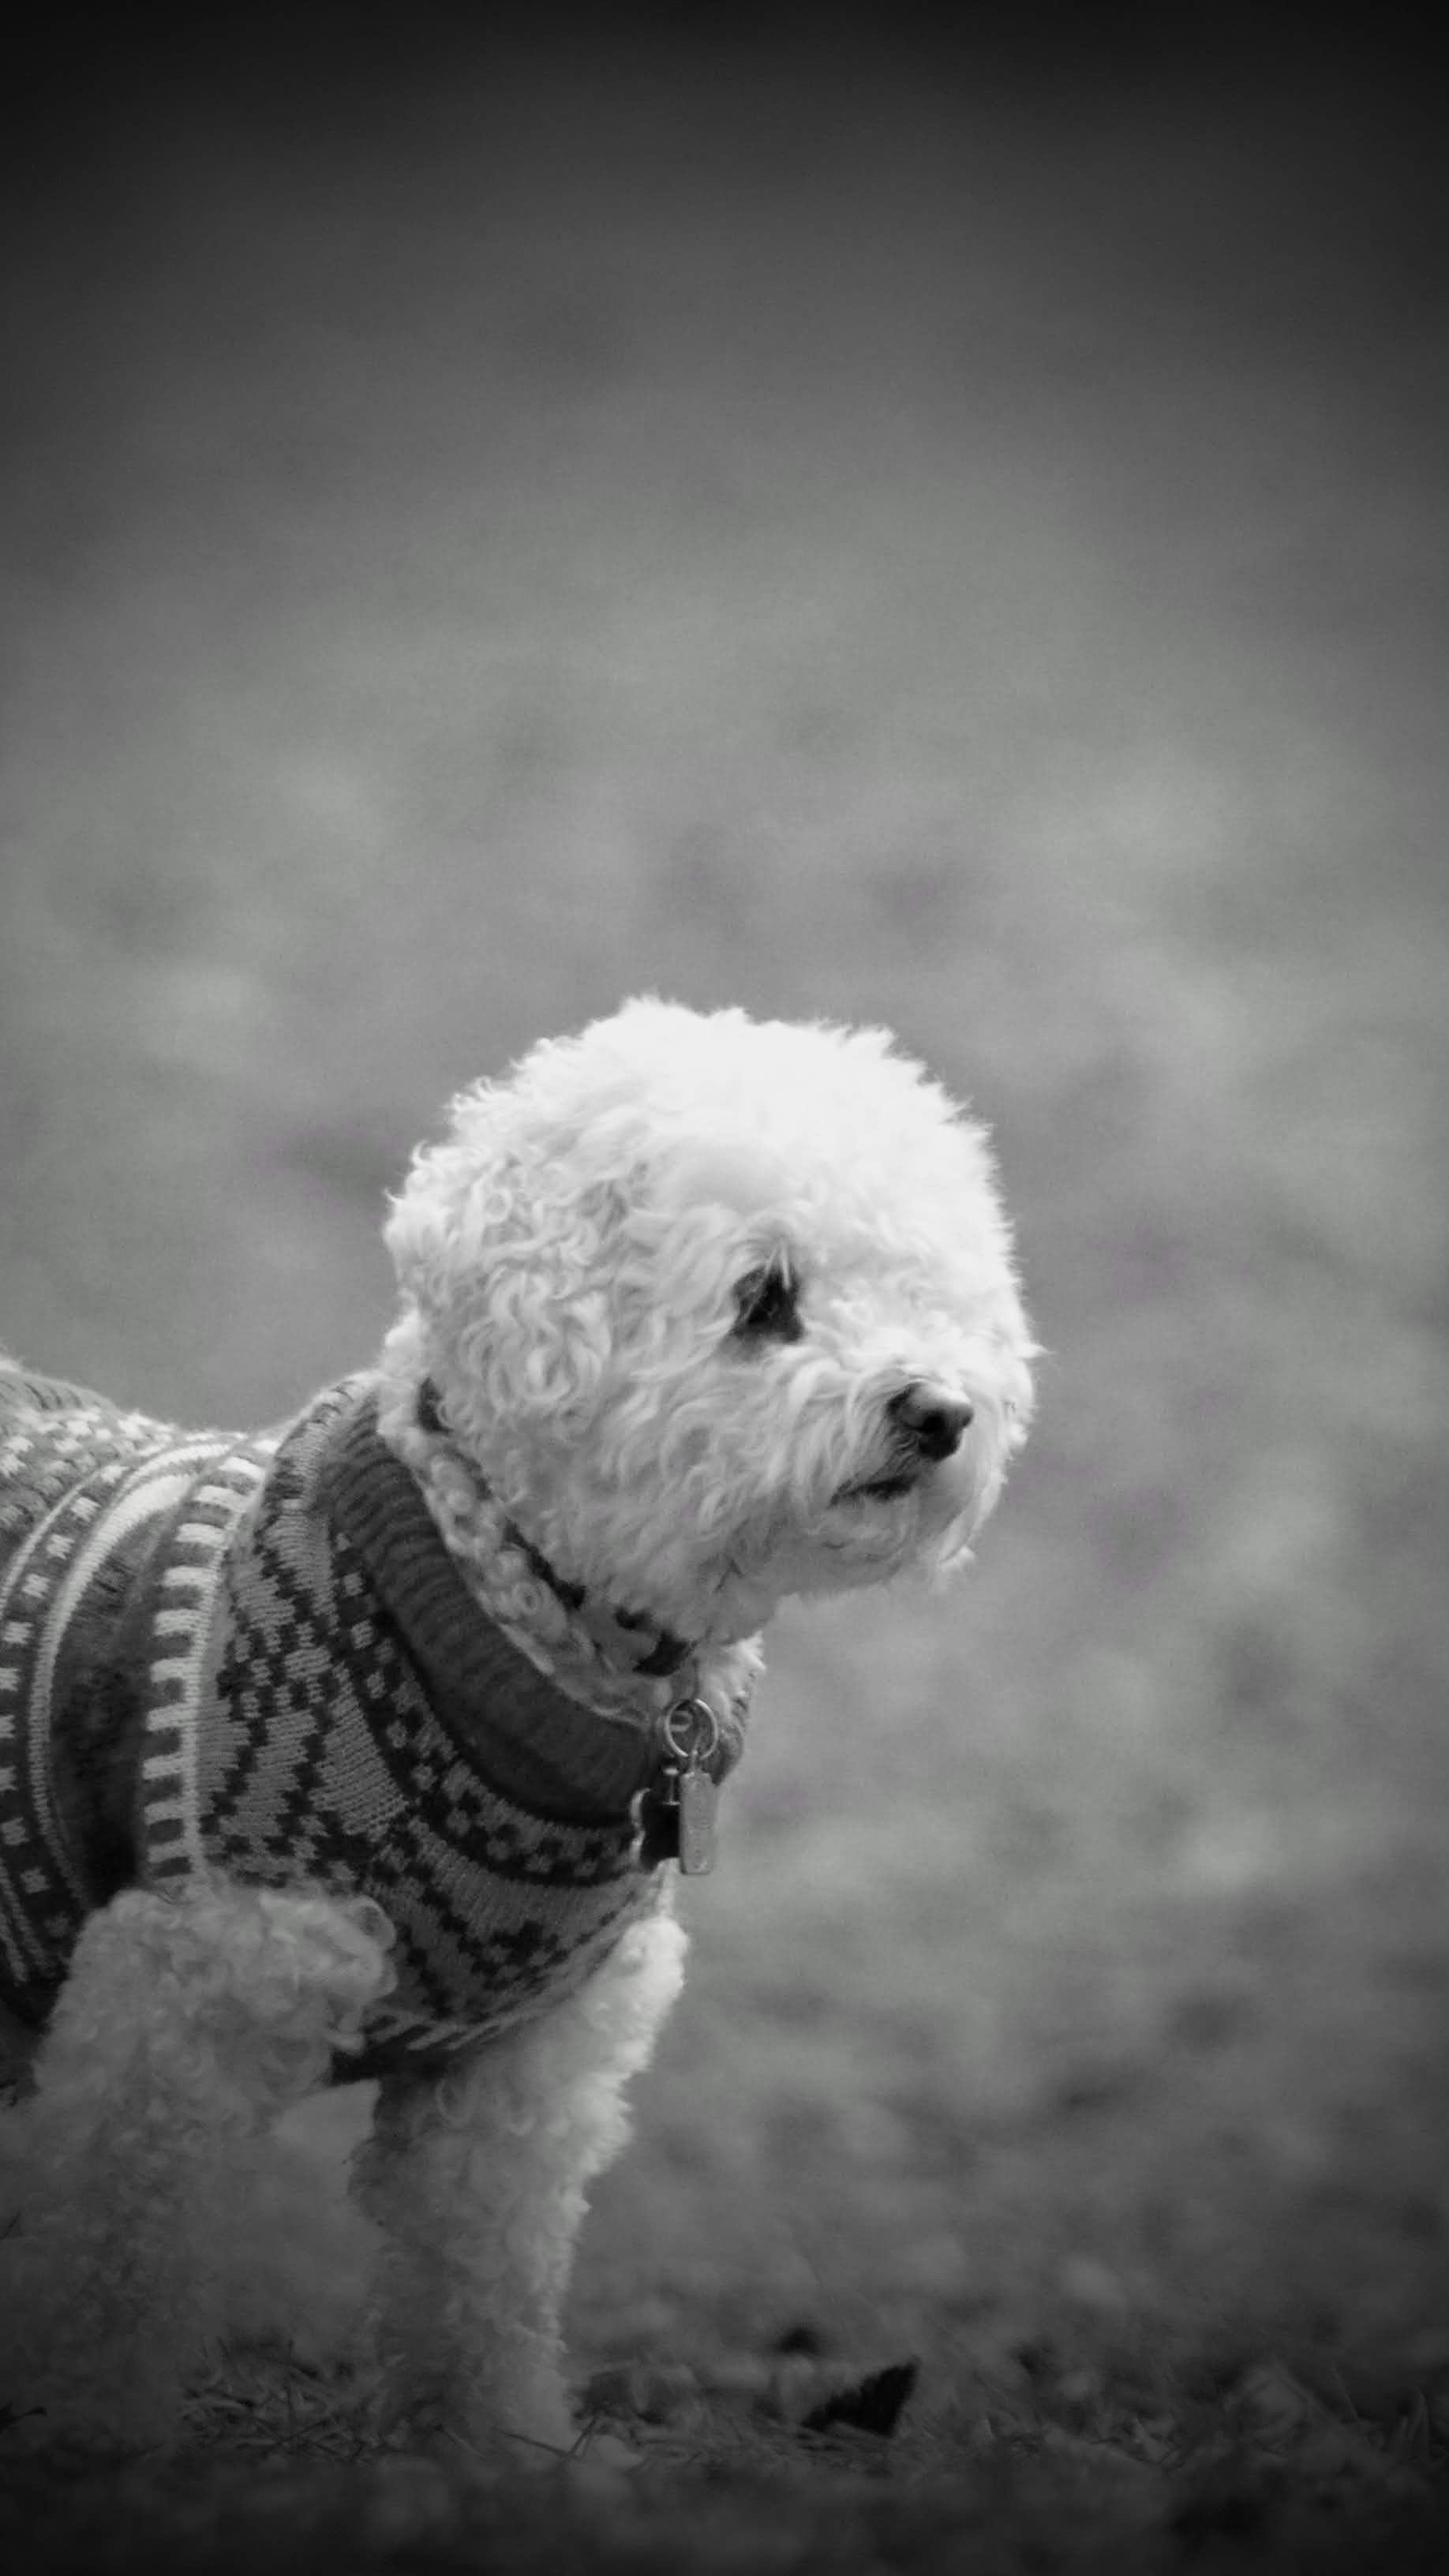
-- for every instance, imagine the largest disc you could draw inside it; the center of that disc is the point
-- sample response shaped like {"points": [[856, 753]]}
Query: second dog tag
{"points": [[697, 1800], [659, 1822]]}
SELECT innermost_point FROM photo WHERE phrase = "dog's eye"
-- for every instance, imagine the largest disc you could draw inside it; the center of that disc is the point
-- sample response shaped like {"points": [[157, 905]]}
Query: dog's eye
{"points": [[766, 1307]]}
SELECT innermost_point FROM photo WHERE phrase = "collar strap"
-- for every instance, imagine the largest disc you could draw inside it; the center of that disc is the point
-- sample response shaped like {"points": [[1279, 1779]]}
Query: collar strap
{"points": [[668, 1654]]}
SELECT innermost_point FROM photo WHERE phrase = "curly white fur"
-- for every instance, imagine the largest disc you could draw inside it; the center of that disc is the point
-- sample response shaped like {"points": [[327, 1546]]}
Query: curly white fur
{"points": [[186, 2026], [609, 1446], [479, 2185], [570, 1259]]}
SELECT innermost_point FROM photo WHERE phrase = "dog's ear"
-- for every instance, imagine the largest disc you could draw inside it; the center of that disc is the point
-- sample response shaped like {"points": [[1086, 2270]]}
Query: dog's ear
{"points": [[500, 1256]]}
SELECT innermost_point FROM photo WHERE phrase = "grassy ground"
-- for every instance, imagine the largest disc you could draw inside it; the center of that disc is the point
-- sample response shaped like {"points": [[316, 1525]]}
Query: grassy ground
{"points": [[479, 538]]}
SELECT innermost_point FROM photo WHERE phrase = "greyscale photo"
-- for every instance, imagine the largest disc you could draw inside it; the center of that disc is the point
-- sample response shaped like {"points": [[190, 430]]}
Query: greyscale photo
{"points": [[724, 1050]]}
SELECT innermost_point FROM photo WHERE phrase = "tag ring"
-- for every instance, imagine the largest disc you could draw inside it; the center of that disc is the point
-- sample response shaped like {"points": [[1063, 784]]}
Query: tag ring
{"points": [[700, 1730]]}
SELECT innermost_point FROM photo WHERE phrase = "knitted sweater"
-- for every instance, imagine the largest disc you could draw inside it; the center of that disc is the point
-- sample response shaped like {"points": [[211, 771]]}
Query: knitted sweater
{"points": [[255, 1655]]}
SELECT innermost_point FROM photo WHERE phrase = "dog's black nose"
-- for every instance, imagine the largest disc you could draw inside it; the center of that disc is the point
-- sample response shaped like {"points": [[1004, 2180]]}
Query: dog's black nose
{"points": [[934, 1419]]}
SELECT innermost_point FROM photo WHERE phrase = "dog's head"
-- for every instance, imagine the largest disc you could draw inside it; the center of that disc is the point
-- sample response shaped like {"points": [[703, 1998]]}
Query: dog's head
{"points": [[721, 1309]]}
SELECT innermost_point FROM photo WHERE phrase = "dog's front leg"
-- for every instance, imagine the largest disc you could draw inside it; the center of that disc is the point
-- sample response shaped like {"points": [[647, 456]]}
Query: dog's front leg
{"points": [[479, 2180], [187, 2023]]}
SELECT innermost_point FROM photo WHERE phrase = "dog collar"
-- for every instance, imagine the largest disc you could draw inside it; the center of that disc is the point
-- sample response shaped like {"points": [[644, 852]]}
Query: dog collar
{"points": [[618, 1632]]}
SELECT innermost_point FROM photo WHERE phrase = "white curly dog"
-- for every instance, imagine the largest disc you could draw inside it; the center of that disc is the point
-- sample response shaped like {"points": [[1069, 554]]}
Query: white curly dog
{"points": [[370, 1747]]}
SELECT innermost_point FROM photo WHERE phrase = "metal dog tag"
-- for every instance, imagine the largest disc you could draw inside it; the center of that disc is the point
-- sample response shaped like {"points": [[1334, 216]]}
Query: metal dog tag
{"points": [[698, 1798]]}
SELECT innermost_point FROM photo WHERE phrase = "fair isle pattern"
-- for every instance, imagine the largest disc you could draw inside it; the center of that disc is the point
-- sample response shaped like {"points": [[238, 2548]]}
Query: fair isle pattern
{"points": [[74, 1480], [180, 1630], [325, 1761], [204, 1586]]}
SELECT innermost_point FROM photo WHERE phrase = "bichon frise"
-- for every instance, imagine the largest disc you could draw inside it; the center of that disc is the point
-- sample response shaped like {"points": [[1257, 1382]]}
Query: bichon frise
{"points": [[371, 1746]]}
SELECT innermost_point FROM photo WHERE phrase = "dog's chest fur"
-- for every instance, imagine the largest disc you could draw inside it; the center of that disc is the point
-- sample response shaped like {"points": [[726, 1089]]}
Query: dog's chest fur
{"points": [[256, 1656]]}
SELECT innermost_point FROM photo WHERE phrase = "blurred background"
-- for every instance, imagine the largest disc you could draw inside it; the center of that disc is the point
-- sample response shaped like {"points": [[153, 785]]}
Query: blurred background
{"points": [[821, 521]]}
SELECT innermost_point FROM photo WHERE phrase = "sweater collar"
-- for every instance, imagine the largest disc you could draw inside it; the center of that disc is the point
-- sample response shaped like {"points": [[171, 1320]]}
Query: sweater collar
{"points": [[628, 1636], [509, 1722]]}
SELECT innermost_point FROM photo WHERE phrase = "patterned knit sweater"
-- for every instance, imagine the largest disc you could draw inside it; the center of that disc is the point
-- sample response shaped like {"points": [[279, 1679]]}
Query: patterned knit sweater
{"points": [[254, 1654]]}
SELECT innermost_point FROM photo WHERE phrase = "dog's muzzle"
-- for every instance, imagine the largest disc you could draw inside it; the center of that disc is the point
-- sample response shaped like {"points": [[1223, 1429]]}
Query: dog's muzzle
{"points": [[931, 1417], [928, 1422]]}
